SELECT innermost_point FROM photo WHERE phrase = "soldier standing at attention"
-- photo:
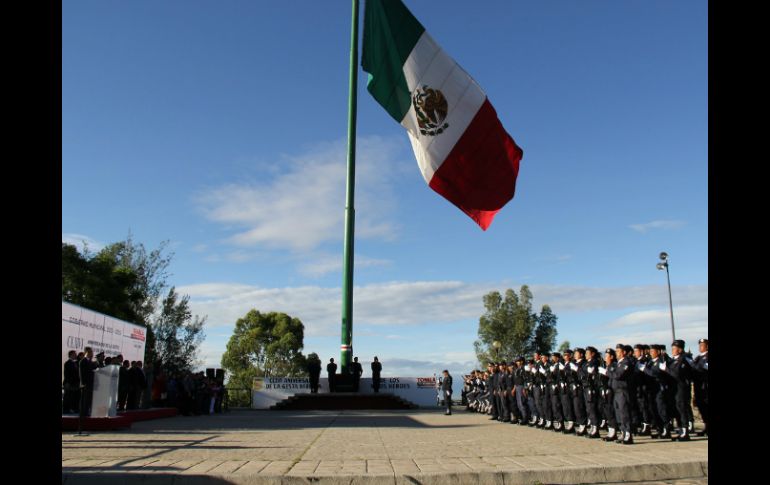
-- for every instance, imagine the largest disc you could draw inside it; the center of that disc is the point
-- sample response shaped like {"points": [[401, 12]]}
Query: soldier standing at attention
{"points": [[565, 380], [701, 367], [576, 391], [376, 369], [357, 370], [492, 387], [607, 392], [314, 372], [620, 376], [331, 370], [588, 377], [543, 371], [446, 391], [661, 384], [554, 383], [681, 370]]}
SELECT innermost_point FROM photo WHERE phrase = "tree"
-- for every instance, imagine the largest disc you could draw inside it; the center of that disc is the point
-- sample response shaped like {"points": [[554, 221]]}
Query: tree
{"points": [[545, 332], [127, 281], [99, 283], [264, 344], [150, 269], [564, 346], [508, 320], [177, 334]]}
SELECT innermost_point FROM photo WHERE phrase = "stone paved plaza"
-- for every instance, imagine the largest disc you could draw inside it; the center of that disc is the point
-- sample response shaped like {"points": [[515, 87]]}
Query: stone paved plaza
{"points": [[368, 447]]}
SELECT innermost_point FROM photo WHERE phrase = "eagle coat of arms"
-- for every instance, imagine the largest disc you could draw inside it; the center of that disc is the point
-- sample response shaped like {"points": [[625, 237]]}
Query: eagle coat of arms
{"points": [[430, 106]]}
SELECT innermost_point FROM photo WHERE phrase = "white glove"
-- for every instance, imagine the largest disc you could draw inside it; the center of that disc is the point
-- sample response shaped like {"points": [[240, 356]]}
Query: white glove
{"points": [[533, 370], [640, 366], [526, 368], [542, 370], [591, 370], [602, 371], [573, 366], [662, 365], [561, 366], [706, 365]]}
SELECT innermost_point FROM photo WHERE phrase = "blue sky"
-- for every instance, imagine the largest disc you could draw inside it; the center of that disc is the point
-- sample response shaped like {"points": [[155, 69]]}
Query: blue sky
{"points": [[221, 126]]}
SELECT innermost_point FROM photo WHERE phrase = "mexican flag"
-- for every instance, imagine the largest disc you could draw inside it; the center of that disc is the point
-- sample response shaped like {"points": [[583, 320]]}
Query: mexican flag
{"points": [[462, 149]]}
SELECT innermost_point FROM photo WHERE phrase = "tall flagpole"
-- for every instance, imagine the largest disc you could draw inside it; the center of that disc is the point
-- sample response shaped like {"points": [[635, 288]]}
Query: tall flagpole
{"points": [[346, 347]]}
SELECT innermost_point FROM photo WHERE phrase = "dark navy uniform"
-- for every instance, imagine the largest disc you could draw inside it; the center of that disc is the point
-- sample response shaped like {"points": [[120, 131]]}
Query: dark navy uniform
{"points": [[663, 386], [608, 396], [619, 376], [701, 369], [589, 377], [554, 385], [681, 370], [492, 386], [565, 394], [520, 392], [577, 393]]}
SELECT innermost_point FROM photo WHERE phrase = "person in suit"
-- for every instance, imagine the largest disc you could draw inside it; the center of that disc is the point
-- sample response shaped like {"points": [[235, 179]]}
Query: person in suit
{"points": [[331, 370], [86, 370], [446, 391], [124, 383], [314, 371], [137, 383], [356, 370], [376, 369], [71, 383]]}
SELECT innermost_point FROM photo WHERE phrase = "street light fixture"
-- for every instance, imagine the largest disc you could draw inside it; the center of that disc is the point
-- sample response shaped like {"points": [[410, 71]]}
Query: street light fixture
{"points": [[661, 266], [496, 344]]}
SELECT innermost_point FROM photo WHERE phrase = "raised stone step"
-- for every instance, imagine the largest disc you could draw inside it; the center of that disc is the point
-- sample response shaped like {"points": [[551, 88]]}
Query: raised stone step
{"points": [[341, 401]]}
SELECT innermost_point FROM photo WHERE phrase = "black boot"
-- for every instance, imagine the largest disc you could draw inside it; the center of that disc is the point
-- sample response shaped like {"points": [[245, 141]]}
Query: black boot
{"points": [[628, 438], [611, 435], [594, 434], [645, 431]]}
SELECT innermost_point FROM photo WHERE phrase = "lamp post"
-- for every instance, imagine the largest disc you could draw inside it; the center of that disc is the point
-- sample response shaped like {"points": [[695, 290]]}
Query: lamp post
{"points": [[661, 266], [496, 344]]}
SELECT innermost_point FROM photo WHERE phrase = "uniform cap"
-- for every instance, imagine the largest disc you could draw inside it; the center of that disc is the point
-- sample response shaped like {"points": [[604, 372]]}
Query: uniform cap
{"points": [[678, 343]]}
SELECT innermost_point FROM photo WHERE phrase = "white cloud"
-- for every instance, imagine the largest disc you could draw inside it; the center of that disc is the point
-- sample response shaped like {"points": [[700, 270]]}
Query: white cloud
{"points": [[430, 302], [415, 302], [329, 264], [80, 241], [660, 224], [302, 206]]}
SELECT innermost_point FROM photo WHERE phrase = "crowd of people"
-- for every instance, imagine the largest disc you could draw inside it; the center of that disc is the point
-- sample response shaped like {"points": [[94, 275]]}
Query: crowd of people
{"points": [[640, 390], [139, 386]]}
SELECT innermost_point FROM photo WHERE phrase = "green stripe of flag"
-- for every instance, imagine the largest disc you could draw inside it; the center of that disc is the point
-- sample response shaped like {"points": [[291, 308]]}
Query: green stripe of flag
{"points": [[390, 34]]}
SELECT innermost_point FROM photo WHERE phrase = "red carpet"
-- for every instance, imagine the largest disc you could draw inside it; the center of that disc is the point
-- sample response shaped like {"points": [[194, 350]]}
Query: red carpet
{"points": [[70, 423], [122, 420], [145, 414]]}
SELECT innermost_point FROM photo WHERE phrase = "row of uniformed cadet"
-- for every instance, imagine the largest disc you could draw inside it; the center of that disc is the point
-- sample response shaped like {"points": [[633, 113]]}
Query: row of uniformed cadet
{"points": [[638, 390]]}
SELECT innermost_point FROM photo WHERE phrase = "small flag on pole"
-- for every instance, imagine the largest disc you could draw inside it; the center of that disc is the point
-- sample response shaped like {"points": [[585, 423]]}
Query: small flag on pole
{"points": [[462, 149]]}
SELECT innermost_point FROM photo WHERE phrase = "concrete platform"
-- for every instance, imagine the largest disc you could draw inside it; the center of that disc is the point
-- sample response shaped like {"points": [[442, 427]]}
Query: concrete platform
{"points": [[367, 447]]}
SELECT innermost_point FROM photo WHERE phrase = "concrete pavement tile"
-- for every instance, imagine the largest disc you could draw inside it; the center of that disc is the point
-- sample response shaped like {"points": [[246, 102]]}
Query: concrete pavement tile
{"points": [[251, 467], [227, 467], [278, 467], [202, 467]]}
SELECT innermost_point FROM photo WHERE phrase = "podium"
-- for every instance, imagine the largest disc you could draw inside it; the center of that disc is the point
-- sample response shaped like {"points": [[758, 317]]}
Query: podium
{"points": [[105, 398]]}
